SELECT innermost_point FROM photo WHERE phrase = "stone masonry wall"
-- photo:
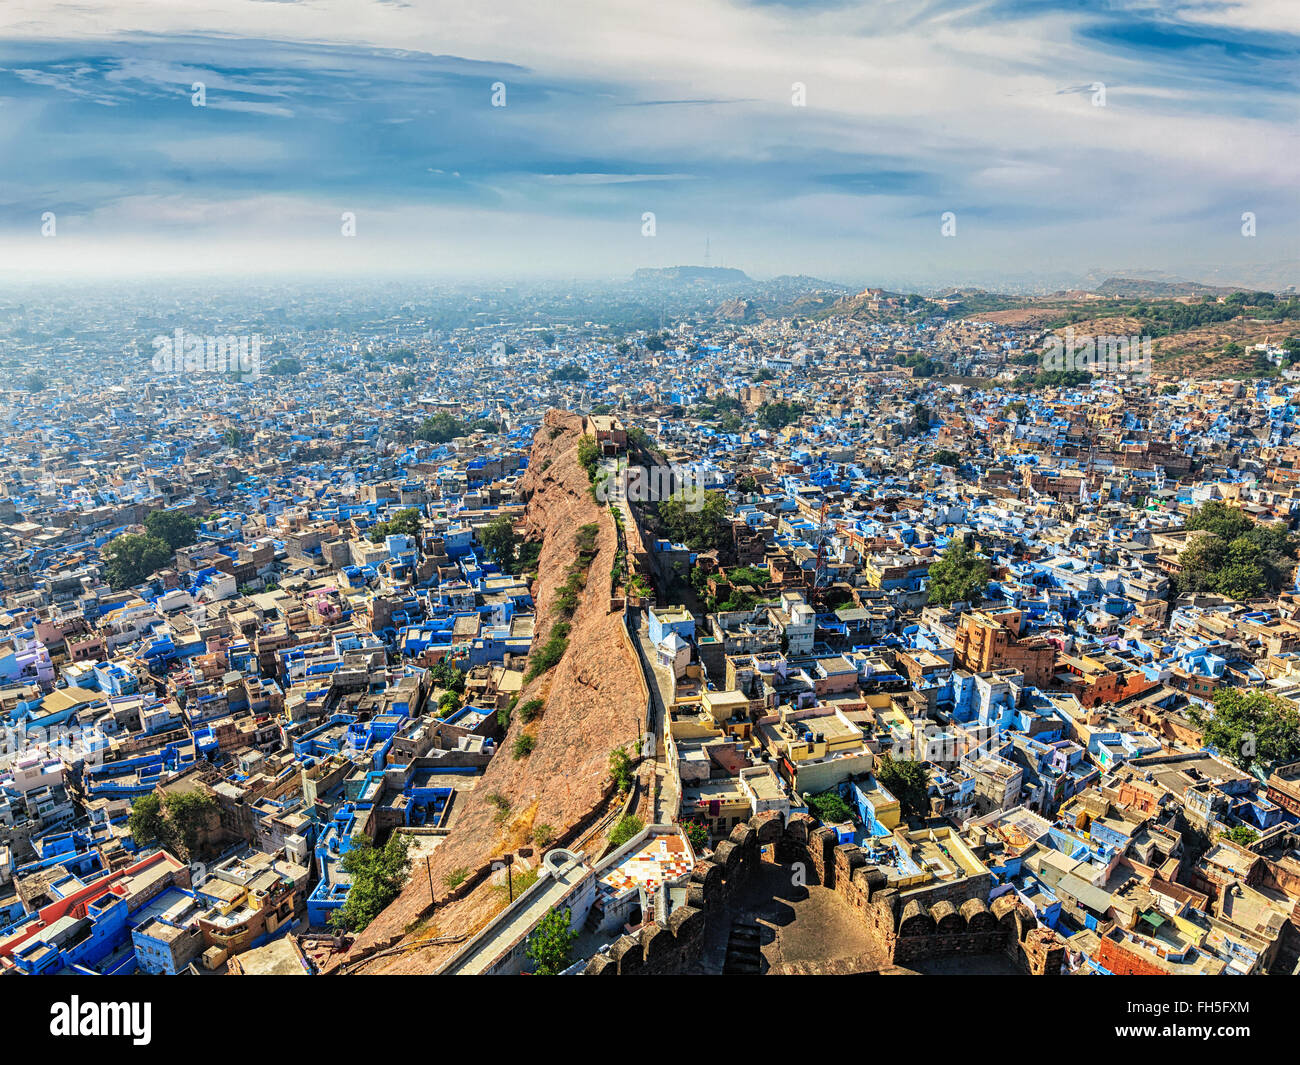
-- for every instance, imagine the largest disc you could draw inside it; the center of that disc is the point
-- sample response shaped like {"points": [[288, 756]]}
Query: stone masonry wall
{"points": [[952, 919]]}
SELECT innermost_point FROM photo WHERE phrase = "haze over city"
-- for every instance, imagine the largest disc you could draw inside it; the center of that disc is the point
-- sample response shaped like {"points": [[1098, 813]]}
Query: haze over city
{"points": [[693, 488], [1068, 140]]}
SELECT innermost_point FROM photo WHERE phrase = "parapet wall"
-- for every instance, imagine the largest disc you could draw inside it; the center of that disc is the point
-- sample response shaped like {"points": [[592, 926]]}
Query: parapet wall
{"points": [[949, 919]]}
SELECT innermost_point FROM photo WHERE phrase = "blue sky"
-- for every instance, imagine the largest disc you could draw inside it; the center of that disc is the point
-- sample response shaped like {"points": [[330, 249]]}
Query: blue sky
{"points": [[682, 108]]}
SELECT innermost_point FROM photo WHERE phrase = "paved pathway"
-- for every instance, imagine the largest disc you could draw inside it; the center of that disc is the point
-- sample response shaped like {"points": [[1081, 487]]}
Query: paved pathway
{"points": [[660, 684]]}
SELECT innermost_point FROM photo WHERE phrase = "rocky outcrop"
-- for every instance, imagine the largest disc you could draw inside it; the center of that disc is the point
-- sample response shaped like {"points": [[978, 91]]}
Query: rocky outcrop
{"points": [[594, 702]]}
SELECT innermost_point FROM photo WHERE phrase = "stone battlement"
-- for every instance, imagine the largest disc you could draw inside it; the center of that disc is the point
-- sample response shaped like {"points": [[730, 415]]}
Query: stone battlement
{"points": [[949, 919]]}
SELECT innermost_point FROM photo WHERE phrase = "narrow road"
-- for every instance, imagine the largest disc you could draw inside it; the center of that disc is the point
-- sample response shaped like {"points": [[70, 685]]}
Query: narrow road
{"points": [[668, 796], [667, 792]]}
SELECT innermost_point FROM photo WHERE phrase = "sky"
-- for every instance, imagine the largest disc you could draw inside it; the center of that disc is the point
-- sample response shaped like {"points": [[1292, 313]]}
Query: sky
{"points": [[1059, 140]]}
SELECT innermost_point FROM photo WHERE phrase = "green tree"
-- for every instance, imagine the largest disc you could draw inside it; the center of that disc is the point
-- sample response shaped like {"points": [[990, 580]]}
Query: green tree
{"points": [[376, 875], [828, 807], [129, 559], [947, 458], [1241, 834], [172, 527], [1217, 517], [499, 542], [406, 522], [907, 781], [699, 522], [188, 813], [620, 768], [959, 576], [550, 947], [588, 455], [1250, 727], [445, 675], [1055, 379], [1229, 553], [175, 823], [628, 826], [1241, 580], [440, 428], [779, 414], [146, 821], [1201, 559]]}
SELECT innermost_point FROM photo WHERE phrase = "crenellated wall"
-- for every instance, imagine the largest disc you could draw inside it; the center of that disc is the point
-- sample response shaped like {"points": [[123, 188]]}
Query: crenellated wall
{"points": [[948, 919]]}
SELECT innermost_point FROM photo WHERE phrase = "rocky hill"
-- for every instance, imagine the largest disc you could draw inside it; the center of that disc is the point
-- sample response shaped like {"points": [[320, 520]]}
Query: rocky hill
{"points": [[738, 310], [715, 274], [1142, 288], [594, 703]]}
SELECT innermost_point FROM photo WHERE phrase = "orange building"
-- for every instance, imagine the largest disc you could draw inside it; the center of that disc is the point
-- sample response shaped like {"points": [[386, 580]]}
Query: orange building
{"points": [[990, 640]]}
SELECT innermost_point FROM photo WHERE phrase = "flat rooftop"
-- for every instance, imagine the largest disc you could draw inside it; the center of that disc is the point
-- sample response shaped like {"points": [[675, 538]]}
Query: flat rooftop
{"points": [[661, 860]]}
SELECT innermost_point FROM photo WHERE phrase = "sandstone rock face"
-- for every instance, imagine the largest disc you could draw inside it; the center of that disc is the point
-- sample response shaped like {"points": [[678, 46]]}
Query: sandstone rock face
{"points": [[594, 703]]}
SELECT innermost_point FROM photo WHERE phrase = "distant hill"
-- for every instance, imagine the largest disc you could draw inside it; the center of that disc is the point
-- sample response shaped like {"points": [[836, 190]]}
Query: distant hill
{"points": [[880, 304], [1131, 287], [717, 274]]}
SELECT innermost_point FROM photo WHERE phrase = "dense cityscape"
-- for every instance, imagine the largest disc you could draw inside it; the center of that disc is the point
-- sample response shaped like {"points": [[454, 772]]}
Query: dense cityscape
{"points": [[743, 627], [720, 488]]}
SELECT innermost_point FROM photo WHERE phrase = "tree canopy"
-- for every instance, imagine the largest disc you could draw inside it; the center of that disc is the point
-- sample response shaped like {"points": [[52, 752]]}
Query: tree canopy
{"points": [[550, 947], [406, 522], [829, 807], [499, 541], [1230, 554], [443, 427], [175, 823], [779, 414], [700, 527], [172, 527], [131, 558], [908, 781], [146, 822], [959, 576], [628, 826], [377, 875], [1250, 727]]}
